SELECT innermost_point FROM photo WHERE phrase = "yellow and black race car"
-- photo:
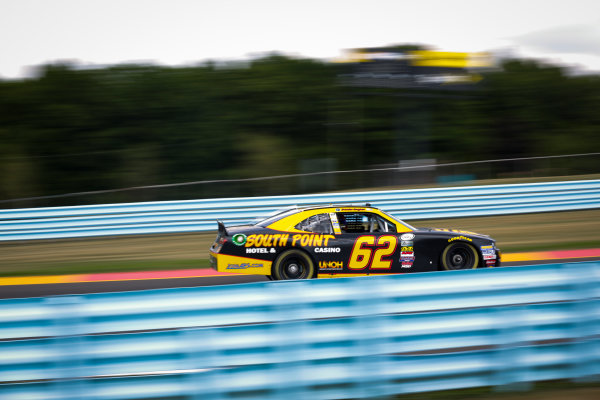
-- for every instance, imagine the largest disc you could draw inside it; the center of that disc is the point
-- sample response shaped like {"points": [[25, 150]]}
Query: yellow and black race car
{"points": [[336, 241]]}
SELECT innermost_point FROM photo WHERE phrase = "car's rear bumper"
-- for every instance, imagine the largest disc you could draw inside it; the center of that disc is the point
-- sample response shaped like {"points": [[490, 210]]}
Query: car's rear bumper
{"points": [[239, 265], [213, 261]]}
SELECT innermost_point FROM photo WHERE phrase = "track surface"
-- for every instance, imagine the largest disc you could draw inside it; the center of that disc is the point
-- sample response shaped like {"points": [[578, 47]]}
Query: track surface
{"points": [[96, 283], [37, 290]]}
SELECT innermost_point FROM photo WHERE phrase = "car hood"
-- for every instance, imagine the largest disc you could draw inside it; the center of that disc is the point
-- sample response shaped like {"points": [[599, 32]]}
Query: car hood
{"points": [[451, 232]]}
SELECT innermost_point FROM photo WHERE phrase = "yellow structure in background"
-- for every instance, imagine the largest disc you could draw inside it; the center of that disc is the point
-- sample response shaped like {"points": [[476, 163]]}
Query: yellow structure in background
{"points": [[446, 59], [422, 58]]}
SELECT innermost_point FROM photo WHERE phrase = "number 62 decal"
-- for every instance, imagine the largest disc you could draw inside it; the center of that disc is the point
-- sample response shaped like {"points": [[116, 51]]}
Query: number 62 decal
{"points": [[371, 251]]}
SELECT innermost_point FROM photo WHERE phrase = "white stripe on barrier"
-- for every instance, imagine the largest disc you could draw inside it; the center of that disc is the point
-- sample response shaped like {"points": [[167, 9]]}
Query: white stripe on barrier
{"points": [[339, 338], [200, 215]]}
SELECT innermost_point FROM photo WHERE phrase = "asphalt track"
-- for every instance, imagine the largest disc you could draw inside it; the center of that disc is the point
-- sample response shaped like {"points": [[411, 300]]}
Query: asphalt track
{"points": [[36, 286]]}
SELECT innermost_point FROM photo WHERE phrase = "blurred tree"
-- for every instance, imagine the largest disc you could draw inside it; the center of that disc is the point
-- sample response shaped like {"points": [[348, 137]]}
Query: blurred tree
{"points": [[75, 130]]}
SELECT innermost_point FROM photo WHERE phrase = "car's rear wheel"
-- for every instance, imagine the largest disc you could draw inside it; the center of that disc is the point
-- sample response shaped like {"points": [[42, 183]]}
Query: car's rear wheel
{"points": [[460, 255], [293, 264]]}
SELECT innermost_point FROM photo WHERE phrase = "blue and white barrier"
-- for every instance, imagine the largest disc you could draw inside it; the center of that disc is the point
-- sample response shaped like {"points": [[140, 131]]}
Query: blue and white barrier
{"points": [[200, 215], [317, 339]]}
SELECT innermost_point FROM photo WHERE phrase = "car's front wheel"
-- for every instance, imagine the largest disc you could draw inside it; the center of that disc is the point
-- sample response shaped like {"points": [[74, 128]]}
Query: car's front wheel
{"points": [[460, 255], [293, 264]]}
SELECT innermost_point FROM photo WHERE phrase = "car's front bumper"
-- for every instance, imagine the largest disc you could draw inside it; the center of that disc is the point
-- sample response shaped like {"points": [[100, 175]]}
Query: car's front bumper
{"points": [[498, 257]]}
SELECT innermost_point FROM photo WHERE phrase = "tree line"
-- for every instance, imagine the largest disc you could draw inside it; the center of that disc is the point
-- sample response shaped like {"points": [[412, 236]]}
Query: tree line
{"points": [[72, 129]]}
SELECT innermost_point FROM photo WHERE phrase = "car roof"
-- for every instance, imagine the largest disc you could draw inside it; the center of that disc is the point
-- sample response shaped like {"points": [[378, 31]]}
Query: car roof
{"points": [[288, 219], [293, 210], [353, 207]]}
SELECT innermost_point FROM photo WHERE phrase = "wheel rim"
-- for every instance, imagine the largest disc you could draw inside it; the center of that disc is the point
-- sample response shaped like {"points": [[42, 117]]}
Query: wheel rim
{"points": [[293, 264], [293, 268], [459, 258]]}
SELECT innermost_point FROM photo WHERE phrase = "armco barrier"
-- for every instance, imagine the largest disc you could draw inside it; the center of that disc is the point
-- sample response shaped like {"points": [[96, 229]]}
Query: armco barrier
{"points": [[317, 339], [200, 215]]}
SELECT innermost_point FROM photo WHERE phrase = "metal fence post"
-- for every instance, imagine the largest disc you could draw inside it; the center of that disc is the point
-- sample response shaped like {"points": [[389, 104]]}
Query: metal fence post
{"points": [[69, 342], [201, 363], [585, 345]]}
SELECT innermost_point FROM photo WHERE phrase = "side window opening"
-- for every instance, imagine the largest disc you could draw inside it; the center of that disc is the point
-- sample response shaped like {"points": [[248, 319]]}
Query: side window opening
{"points": [[364, 222], [319, 223], [352, 222], [382, 225]]}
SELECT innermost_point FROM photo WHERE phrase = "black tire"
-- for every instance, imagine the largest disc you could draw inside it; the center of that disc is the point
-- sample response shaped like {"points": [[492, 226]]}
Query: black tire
{"points": [[460, 255], [293, 264]]}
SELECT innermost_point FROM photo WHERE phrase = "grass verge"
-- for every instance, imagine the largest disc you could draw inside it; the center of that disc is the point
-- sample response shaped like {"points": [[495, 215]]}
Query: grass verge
{"points": [[513, 233]]}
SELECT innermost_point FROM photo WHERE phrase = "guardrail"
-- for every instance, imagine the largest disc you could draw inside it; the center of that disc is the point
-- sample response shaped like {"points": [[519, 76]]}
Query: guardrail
{"points": [[317, 339], [200, 215]]}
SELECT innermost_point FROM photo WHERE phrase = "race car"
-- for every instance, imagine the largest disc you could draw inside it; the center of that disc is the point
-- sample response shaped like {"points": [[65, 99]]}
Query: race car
{"points": [[341, 241]]}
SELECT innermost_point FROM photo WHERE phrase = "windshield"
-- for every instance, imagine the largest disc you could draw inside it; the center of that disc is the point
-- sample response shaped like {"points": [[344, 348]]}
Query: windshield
{"points": [[412, 228]]}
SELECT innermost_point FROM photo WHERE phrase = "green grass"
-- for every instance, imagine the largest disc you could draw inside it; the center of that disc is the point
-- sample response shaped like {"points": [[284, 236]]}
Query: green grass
{"points": [[513, 233], [86, 267], [112, 254], [592, 244], [532, 232]]}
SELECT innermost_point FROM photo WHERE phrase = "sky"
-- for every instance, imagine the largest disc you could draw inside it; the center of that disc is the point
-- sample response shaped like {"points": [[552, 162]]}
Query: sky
{"points": [[189, 32]]}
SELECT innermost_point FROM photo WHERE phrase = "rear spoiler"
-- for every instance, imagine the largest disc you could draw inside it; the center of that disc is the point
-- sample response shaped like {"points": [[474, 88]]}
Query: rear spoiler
{"points": [[222, 229]]}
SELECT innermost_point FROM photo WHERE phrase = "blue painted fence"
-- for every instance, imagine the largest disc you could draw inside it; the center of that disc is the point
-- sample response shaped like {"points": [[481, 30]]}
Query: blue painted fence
{"points": [[200, 215], [317, 339]]}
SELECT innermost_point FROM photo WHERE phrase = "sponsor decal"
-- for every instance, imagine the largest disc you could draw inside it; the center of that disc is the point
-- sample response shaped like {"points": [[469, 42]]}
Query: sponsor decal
{"points": [[406, 248], [278, 240], [460, 238], [243, 266], [407, 265], [267, 240], [407, 254], [488, 251], [331, 265], [311, 240], [239, 239], [406, 243], [407, 236], [335, 223], [259, 250], [327, 250]]}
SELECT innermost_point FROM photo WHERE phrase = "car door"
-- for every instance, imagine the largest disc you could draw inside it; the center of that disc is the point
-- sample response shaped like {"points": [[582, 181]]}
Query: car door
{"points": [[372, 243]]}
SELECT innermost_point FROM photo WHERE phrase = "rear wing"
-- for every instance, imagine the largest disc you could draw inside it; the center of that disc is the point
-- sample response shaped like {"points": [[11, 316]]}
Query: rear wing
{"points": [[222, 229]]}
